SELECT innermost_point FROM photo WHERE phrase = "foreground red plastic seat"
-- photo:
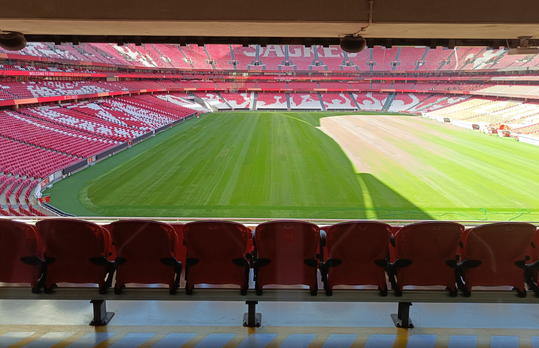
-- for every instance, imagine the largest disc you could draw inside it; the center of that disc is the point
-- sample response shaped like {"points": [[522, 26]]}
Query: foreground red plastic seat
{"points": [[425, 255], [532, 268], [495, 255], [21, 254], [77, 252], [286, 254], [145, 253], [357, 255], [216, 254]]}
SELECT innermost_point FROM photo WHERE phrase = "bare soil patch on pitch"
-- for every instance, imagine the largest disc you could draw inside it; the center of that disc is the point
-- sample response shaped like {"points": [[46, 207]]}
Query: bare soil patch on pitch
{"points": [[366, 139]]}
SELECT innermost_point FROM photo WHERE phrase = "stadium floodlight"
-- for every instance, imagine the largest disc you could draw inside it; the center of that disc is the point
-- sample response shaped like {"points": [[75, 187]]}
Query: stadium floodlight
{"points": [[12, 41], [353, 44]]}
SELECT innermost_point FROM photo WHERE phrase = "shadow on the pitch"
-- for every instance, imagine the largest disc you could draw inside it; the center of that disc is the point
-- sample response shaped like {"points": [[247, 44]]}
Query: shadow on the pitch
{"points": [[388, 204]]}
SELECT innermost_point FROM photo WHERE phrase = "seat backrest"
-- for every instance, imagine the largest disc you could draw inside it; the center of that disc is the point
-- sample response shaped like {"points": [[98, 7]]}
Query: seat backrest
{"points": [[427, 242], [499, 243], [362, 241], [287, 245], [142, 241], [216, 252], [287, 240], [141, 245], [19, 240], [70, 245], [215, 240]]}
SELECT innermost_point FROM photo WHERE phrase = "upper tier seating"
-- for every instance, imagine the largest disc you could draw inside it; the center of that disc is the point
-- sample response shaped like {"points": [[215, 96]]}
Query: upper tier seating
{"points": [[361, 59], [272, 56], [244, 56], [196, 56], [302, 57], [434, 59], [221, 56], [409, 58], [332, 57], [305, 101], [384, 58], [464, 58], [173, 55]]}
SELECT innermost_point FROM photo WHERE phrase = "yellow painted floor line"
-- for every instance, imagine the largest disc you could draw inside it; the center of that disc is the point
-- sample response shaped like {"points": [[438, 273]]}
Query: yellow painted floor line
{"points": [[241, 333]]}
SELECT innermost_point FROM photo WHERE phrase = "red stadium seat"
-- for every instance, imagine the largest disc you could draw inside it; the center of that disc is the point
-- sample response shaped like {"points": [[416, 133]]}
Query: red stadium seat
{"points": [[532, 268], [145, 254], [21, 254], [286, 254], [216, 254], [77, 252], [495, 255], [357, 255], [425, 255], [180, 251]]}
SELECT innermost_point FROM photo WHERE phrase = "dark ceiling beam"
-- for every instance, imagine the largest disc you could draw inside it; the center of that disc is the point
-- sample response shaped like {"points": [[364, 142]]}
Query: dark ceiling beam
{"points": [[392, 19], [371, 42]]}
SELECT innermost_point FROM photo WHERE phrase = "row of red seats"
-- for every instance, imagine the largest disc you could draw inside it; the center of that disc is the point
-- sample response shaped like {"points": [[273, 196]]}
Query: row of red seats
{"points": [[286, 252]]}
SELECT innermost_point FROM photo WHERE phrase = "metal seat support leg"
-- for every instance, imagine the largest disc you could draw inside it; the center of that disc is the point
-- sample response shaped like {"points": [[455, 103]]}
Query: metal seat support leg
{"points": [[101, 316], [402, 318], [251, 318]]}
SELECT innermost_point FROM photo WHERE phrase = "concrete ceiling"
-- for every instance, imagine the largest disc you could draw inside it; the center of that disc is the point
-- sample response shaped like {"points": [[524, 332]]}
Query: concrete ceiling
{"points": [[278, 21]]}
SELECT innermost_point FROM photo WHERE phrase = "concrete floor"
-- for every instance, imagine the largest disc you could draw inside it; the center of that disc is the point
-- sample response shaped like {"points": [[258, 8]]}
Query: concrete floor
{"points": [[47, 323]]}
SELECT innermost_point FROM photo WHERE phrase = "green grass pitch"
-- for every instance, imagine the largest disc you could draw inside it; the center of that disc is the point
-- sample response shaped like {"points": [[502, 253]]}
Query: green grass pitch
{"points": [[279, 164]]}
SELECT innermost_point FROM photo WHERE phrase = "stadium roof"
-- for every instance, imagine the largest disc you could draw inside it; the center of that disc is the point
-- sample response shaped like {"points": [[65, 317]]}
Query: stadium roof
{"points": [[395, 22]]}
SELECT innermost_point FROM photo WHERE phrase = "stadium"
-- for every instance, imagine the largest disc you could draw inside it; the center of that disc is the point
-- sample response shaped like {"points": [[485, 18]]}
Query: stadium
{"points": [[163, 174]]}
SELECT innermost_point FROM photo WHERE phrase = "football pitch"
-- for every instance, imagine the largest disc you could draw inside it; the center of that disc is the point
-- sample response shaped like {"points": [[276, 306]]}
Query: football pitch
{"points": [[312, 165]]}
